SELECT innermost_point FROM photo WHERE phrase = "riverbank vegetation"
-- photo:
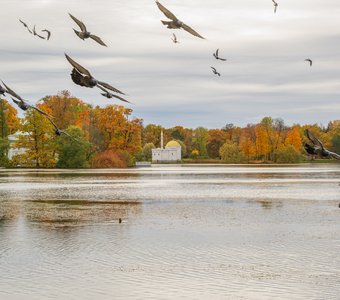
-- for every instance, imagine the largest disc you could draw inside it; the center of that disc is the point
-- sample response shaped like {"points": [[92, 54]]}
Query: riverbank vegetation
{"points": [[110, 137]]}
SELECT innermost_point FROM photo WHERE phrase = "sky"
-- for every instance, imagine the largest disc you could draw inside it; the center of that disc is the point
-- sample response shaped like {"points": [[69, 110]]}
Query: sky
{"points": [[172, 84]]}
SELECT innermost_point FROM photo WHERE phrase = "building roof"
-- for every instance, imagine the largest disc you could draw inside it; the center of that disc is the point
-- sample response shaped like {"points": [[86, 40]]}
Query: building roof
{"points": [[173, 144]]}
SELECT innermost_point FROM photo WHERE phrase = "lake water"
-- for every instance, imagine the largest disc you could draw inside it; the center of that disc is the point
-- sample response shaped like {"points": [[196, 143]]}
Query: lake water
{"points": [[187, 232]]}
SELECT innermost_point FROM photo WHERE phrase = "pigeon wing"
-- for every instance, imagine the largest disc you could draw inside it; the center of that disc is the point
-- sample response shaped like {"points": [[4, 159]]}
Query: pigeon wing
{"points": [[48, 33], [120, 98], [108, 86], [115, 96], [190, 30], [77, 78], [313, 139], [79, 23], [77, 66], [11, 92], [98, 40], [166, 12], [334, 155], [41, 111]]}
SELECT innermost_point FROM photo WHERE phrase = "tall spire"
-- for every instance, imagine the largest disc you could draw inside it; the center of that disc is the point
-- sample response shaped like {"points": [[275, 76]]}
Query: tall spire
{"points": [[162, 139]]}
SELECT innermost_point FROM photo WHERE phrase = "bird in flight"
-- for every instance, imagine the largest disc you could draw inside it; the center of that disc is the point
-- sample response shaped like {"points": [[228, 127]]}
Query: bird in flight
{"points": [[35, 33], [84, 34], [217, 57], [59, 132], [21, 102], [318, 148], [175, 23], [174, 39], [83, 77], [109, 95], [215, 71], [310, 61], [23, 23], [275, 5], [48, 33]]}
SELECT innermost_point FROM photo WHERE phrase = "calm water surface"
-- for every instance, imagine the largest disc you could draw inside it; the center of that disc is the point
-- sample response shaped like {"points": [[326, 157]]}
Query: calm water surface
{"points": [[187, 232]]}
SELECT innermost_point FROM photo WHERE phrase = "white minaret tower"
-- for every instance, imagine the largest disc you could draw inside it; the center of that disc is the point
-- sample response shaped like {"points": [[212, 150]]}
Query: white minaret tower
{"points": [[162, 139]]}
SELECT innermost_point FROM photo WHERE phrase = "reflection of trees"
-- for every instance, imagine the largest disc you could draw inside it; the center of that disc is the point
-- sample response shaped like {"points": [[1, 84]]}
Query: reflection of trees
{"points": [[70, 212], [9, 211], [266, 204]]}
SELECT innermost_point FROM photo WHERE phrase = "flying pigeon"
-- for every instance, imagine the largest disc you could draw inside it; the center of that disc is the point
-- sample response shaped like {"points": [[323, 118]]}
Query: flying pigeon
{"points": [[318, 147], [215, 71], [109, 95], [83, 77], [175, 23], [275, 6], [174, 39], [48, 33], [84, 34], [310, 61], [59, 132], [217, 57], [25, 26], [35, 33], [21, 102]]}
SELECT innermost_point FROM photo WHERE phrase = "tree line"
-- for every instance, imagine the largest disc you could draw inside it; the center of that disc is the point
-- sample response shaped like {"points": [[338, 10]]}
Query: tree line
{"points": [[110, 137]]}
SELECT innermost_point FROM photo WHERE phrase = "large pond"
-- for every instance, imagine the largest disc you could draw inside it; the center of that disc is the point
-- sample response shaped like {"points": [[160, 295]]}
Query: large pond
{"points": [[186, 232]]}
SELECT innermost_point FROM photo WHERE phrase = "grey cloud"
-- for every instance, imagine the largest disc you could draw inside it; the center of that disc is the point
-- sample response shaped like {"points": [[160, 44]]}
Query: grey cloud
{"points": [[172, 84]]}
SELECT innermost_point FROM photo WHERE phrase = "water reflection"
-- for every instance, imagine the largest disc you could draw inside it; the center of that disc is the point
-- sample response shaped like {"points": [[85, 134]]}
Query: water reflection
{"points": [[188, 232], [79, 212]]}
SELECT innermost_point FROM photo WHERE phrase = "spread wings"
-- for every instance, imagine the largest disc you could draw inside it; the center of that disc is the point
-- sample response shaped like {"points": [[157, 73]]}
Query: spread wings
{"points": [[166, 12], [79, 23]]}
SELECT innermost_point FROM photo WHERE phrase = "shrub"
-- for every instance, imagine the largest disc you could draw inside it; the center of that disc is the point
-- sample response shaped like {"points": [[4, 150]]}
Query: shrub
{"points": [[287, 154], [230, 153]]}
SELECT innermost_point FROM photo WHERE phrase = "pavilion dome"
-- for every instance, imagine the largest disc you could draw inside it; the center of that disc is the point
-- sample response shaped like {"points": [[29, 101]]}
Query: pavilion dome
{"points": [[173, 144]]}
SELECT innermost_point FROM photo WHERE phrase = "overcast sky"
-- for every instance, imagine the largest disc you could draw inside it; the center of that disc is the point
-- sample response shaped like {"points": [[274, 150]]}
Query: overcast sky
{"points": [[172, 84]]}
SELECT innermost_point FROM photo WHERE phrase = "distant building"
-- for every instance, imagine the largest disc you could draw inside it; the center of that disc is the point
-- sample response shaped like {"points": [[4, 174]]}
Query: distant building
{"points": [[13, 138], [171, 152]]}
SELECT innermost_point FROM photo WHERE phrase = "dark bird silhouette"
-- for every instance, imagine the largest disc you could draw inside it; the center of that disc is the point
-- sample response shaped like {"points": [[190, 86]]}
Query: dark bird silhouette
{"points": [[318, 148], [35, 33], [215, 71], [84, 34], [310, 61], [48, 33], [21, 103], [174, 39], [109, 95], [175, 23], [2, 90], [25, 26], [217, 57], [120, 220], [59, 132], [275, 6], [83, 77]]}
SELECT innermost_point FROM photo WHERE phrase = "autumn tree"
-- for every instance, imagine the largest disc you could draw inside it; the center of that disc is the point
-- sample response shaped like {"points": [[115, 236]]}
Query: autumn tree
{"points": [[200, 138], [287, 154], [152, 134], [9, 122], [248, 141], [216, 138], [39, 140], [294, 138], [147, 151], [230, 153]]}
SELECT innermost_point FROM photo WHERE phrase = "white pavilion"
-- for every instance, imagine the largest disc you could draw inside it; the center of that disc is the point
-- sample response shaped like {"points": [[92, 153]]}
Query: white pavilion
{"points": [[171, 152]]}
